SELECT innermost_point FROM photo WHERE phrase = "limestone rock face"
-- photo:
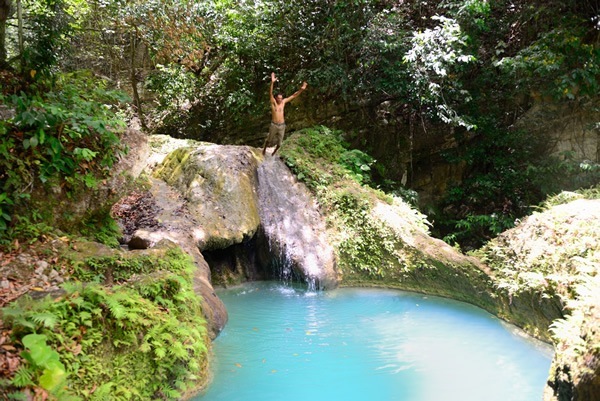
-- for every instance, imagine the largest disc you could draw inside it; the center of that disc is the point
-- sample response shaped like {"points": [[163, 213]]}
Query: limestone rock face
{"points": [[172, 223], [219, 187], [565, 127], [218, 184]]}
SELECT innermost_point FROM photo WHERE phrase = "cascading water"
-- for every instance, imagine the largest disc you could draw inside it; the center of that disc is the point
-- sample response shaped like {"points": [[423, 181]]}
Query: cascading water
{"points": [[293, 227]]}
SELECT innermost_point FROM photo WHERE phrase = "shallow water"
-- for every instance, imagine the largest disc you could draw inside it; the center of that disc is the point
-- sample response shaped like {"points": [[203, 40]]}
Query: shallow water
{"points": [[286, 343]]}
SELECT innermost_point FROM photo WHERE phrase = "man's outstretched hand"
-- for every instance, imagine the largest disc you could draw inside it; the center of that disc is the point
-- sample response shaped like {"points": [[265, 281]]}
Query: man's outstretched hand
{"points": [[304, 85], [273, 78]]}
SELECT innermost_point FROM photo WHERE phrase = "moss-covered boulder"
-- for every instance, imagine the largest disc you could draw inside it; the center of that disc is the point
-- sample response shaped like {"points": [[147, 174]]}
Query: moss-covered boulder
{"points": [[547, 274], [219, 187]]}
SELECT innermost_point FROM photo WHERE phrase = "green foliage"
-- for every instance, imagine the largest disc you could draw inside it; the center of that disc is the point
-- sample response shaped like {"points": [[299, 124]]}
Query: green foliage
{"points": [[336, 161], [42, 358], [120, 268], [324, 144], [47, 29], [64, 134], [433, 59], [338, 177], [102, 228], [48, 34], [508, 172], [173, 85], [560, 63], [143, 340], [368, 246], [359, 163]]}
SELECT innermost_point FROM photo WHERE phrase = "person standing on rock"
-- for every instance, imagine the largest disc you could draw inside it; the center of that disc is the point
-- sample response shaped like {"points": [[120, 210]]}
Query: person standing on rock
{"points": [[278, 102]]}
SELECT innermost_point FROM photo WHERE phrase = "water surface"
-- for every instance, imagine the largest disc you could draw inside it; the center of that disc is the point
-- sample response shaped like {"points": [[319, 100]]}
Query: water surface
{"points": [[286, 343]]}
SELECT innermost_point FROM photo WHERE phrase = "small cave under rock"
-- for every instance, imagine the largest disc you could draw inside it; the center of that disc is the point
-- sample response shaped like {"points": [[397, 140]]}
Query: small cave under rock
{"points": [[251, 260]]}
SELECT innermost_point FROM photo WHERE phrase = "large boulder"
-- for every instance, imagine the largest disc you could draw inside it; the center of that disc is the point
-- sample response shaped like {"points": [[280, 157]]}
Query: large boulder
{"points": [[169, 221], [219, 185]]}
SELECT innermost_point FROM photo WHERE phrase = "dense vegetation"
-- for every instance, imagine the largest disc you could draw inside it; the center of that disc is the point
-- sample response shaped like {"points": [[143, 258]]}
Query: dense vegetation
{"points": [[472, 66], [125, 326]]}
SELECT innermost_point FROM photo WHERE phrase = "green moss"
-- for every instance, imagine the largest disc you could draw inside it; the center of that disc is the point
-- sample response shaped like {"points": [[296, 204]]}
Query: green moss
{"points": [[171, 170], [378, 244], [119, 267], [368, 246]]}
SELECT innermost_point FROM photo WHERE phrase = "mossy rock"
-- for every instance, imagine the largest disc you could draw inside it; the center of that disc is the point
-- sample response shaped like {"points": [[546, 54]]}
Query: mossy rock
{"points": [[219, 186], [547, 272]]}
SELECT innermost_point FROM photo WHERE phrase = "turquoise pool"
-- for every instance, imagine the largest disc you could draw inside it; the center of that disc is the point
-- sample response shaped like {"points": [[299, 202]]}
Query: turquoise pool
{"points": [[285, 343]]}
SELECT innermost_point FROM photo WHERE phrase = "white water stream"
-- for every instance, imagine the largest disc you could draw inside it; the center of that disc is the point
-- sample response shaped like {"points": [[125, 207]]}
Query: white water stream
{"points": [[293, 226]]}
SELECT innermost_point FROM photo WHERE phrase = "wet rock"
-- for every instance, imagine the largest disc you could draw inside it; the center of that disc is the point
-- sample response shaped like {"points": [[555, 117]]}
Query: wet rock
{"points": [[293, 228]]}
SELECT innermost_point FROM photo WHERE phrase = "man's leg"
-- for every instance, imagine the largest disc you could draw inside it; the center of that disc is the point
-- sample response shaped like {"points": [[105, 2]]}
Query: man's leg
{"points": [[280, 134], [272, 133]]}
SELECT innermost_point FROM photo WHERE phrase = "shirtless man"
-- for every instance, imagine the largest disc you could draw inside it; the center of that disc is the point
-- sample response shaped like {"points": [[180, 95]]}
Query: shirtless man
{"points": [[277, 128]]}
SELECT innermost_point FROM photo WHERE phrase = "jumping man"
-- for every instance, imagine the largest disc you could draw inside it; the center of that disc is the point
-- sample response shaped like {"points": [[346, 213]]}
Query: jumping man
{"points": [[277, 128]]}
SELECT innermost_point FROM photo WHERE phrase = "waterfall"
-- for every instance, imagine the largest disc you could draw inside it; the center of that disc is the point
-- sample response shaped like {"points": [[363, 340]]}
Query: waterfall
{"points": [[293, 227]]}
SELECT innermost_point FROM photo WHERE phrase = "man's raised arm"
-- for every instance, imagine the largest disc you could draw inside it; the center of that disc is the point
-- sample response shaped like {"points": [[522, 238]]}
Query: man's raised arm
{"points": [[295, 95], [273, 79]]}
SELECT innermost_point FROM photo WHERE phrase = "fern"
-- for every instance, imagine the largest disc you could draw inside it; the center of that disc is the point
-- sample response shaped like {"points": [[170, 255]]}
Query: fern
{"points": [[23, 377], [117, 310], [170, 393], [177, 350], [159, 351], [103, 392], [46, 319]]}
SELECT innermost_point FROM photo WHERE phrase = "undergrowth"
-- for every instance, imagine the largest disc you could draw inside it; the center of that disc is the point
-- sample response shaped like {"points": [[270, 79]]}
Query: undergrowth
{"points": [[61, 135], [141, 339], [551, 251]]}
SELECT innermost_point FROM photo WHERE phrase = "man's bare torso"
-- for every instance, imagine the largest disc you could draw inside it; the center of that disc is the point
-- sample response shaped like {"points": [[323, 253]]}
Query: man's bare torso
{"points": [[277, 112]]}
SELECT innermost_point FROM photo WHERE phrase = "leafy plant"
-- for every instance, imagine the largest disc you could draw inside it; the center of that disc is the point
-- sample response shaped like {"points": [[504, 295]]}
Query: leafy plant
{"points": [[65, 135], [560, 63], [43, 358], [142, 340], [434, 54], [358, 163]]}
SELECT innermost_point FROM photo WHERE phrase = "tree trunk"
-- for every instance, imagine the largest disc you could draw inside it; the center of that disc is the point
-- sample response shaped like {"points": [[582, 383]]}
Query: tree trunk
{"points": [[134, 83], [5, 11]]}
